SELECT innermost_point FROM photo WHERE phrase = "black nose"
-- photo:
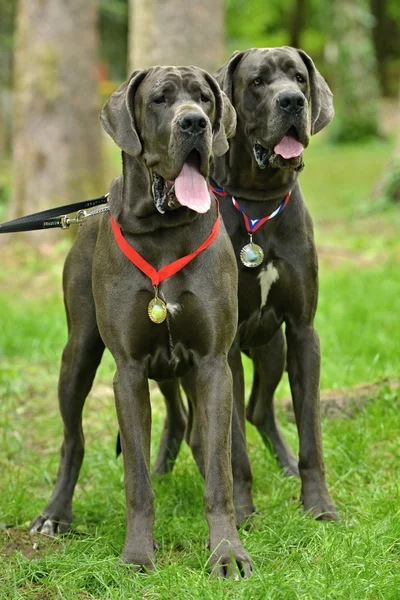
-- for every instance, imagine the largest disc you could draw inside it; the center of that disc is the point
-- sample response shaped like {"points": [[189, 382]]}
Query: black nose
{"points": [[193, 123], [291, 102]]}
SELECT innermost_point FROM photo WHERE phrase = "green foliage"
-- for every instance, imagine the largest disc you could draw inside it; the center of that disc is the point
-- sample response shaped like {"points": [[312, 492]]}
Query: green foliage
{"points": [[391, 184], [355, 73], [113, 28], [254, 23]]}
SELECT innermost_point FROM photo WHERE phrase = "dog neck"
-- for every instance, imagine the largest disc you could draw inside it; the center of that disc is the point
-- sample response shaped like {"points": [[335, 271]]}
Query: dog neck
{"points": [[132, 203], [238, 173]]}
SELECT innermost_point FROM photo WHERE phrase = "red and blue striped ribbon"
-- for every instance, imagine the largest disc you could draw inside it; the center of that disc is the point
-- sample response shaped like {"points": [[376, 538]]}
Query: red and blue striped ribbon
{"points": [[253, 225]]}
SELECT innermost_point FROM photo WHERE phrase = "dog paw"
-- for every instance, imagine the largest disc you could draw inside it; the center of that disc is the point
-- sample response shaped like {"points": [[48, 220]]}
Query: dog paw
{"points": [[49, 525], [289, 465], [320, 506], [141, 557], [244, 516], [324, 511], [230, 561]]}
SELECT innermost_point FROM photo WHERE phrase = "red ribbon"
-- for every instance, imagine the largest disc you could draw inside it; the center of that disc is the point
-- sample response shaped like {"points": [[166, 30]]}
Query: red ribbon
{"points": [[168, 270]]}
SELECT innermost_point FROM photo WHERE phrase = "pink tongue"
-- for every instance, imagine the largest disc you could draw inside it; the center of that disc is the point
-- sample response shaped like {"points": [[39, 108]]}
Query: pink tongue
{"points": [[191, 189], [288, 147]]}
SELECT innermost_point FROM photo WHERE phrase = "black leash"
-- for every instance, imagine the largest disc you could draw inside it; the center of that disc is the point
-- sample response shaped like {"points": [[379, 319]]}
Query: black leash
{"points": [[55, 217]]}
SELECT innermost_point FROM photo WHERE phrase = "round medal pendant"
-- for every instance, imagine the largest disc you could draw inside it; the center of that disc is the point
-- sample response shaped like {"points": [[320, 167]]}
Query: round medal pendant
{"points": [[251, 255], [157, 310]]}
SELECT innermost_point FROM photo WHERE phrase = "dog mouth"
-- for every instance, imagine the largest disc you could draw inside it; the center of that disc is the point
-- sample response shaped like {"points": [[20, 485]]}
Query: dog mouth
{"points": [[188, 189], [289, 146], [286, 152], [261, 155]]}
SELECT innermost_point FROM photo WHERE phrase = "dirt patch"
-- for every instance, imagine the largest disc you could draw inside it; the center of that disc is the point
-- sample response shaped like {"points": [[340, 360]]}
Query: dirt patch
{"points": [[336, 257], [18, 540], [389, 115], [339, 403], [348, 402]]}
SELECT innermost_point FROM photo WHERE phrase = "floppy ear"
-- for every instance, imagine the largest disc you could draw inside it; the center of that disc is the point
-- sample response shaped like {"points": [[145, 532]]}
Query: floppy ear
{"points": [[224, 75], [117, 115], [321, 96], [225, 118]]}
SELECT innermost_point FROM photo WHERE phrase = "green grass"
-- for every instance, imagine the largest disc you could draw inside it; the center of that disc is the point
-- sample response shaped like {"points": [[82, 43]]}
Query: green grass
{"points": [[293, 556]]}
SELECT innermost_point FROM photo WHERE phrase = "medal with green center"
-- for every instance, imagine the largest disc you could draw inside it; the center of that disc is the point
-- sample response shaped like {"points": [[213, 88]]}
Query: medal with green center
{"points": [[157, 308]]}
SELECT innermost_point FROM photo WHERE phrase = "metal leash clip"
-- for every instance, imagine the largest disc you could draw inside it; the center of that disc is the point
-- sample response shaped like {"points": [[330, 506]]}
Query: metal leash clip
{"points": [[66, 221]]}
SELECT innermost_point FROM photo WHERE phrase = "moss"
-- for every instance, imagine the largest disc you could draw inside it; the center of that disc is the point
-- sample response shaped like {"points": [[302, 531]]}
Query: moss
{"points": [[48, 81]]}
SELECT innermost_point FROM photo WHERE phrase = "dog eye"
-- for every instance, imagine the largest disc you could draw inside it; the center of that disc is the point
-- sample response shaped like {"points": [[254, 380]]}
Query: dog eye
{"points": [[300, 78], [204, 98], [256, 82], [159, 100]]}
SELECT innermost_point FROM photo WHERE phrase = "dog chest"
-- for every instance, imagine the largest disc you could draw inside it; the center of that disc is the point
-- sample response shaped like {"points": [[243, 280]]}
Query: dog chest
{"points": [[260, 314]]}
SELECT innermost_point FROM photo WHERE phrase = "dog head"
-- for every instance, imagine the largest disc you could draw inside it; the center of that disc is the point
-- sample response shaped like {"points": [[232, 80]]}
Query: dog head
{"points": [[280, 99], [175, 119]]}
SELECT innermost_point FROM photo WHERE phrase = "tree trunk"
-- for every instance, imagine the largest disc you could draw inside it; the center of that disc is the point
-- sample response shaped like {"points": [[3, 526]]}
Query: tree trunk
{"points": [[378, 8], [176, 32], [56, 132], [7, 11], [297, 22], [357, 90]]}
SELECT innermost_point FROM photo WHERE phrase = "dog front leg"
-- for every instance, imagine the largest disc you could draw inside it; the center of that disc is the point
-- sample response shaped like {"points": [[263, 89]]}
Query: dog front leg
{"points": [[303, 357], [214, 414], [134, 419]]}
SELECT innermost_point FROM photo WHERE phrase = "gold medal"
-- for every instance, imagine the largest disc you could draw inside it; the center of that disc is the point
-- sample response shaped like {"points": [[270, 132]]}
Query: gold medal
{"points": [[157, 308], [251, 254]]}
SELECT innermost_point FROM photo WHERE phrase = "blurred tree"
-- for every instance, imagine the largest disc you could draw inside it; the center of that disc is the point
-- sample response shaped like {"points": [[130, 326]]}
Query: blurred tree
{"points": [[113, 29], [356, 81], [386, 37], [6, 26], [297, 22], [56, 133], [176, 32]]}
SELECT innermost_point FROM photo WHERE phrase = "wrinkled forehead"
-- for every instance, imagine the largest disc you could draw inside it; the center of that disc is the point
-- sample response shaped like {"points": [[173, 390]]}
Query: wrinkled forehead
{"points": [[164, 79], [268, 61]]}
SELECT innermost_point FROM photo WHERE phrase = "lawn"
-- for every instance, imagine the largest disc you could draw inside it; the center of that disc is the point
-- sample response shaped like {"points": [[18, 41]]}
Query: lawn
{"points": [[293, 556]]}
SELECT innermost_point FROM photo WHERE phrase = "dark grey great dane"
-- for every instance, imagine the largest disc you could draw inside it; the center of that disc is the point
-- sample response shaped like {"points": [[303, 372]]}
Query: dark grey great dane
{"points": [[170, 123], [281, 100]]}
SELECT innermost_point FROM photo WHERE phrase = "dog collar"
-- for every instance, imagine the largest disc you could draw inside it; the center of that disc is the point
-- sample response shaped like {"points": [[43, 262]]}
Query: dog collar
{"points": [[252, 254], [157, 309]]}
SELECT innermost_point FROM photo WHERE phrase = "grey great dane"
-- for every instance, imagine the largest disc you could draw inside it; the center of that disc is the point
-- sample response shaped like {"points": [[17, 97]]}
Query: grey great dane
{"points": [[170, 122], [281, 100]]}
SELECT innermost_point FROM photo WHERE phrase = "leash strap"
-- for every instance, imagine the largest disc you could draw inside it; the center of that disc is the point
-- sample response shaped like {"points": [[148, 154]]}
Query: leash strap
{"points": [[54, 217], [168, 270], [252, 225]]}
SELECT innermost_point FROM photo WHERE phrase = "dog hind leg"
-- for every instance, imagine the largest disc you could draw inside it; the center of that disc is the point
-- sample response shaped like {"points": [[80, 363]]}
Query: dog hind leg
{"points": [[79, 363], [174, 427], [269, 365], [80, 360]]}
